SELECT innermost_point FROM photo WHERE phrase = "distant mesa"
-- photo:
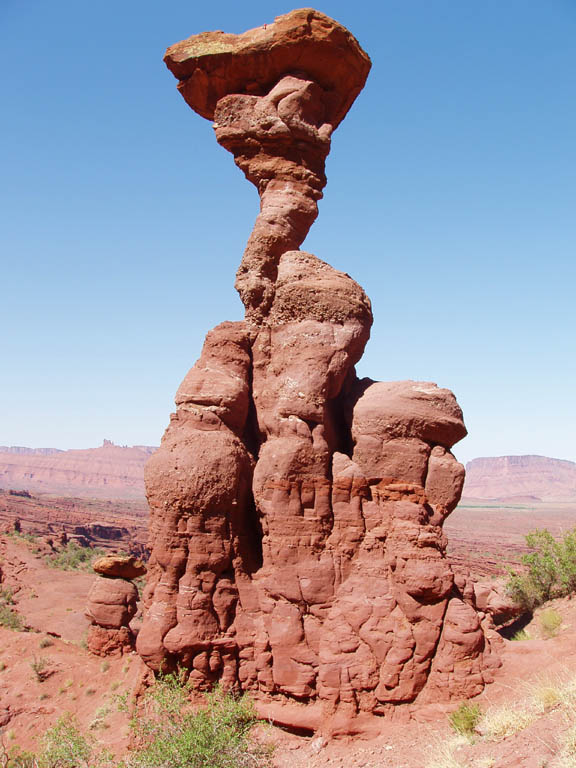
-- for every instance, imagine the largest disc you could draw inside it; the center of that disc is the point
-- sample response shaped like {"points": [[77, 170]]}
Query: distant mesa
{"points": [[21, 451], [108, 472], [517, 479]]}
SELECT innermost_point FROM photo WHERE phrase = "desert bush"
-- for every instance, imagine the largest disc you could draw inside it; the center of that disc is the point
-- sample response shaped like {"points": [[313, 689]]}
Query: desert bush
{"points": [[40, 668], [550, 569], [74, 558], [167, 734], [550, 622], [522, 634], [6, 596], [29, 538], [16, 758], [64, 746], [465, 719], [10, 619]]}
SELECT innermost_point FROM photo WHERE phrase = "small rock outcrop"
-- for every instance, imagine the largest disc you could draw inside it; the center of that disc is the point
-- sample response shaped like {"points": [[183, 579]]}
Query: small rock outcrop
{"points": [[112, 604], [296, 519]]}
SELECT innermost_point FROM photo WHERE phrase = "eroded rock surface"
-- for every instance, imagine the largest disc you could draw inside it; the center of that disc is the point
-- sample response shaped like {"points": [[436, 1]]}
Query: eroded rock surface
{"points": [[112, 604], [296, 511]]}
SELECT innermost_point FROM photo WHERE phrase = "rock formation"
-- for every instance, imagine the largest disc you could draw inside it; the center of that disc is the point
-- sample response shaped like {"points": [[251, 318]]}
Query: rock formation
{"points": [[112, 604], [296, 512]]}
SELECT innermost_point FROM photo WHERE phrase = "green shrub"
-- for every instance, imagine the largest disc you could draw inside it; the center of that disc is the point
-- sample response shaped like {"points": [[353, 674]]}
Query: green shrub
{"points": [[65, 747], [6, 596], [550, 569], [168, 735], [10, 619], [74, 558], [17, 758], [522, 634], [465, 719]]}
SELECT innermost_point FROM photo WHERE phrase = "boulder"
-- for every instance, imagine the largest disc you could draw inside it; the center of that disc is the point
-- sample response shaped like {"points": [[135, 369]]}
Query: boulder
{"points": [[119, 566]]}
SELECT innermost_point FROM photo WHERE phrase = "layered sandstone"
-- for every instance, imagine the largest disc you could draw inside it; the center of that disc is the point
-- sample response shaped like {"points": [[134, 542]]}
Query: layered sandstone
{"points": [[296, 511]]}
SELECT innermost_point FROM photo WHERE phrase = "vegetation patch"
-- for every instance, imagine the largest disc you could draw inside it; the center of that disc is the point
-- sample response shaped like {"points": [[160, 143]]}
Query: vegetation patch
{"points": [[169, 735], [500, 722], [166, 734], [549, 570], [9, 619], [40, 668], [465, 719], [74, 558], [550, 622]]}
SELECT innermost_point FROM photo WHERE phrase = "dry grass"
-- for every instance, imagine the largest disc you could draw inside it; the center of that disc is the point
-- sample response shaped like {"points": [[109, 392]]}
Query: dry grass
{"points": [[500, 722], [550, 622], [444, 754]]}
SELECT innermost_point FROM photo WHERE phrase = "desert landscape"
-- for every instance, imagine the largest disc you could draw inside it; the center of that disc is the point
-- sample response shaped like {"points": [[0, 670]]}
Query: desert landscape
{"points": [[301, 572]]}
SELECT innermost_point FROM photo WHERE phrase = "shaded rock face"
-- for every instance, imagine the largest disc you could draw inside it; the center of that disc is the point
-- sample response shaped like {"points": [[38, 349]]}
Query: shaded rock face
{"points": [[296, 511]]}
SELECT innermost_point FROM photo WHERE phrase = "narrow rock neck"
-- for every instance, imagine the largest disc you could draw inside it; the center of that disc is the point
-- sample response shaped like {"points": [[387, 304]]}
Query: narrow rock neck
{"points": [[280, 141]]}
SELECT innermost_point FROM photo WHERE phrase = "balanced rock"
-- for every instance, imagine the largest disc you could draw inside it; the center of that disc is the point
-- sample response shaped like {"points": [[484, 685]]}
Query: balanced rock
{"points": [[297, 549], [112, 604], [119, 566]]}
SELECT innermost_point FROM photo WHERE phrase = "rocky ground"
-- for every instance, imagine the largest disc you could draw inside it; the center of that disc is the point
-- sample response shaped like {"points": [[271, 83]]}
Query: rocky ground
{"points": [[47, 671]]}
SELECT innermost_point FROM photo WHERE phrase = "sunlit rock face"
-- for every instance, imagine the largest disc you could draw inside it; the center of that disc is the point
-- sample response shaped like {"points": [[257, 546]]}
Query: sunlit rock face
{"points": [[296, 511]]}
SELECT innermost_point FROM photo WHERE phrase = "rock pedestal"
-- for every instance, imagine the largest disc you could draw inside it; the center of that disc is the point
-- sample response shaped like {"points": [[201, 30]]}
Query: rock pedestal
{"points": [[112, 604], [296, 537]]}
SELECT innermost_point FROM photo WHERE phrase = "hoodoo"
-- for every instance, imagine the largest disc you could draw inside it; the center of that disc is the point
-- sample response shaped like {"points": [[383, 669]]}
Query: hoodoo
{"points": [[296, 537]]}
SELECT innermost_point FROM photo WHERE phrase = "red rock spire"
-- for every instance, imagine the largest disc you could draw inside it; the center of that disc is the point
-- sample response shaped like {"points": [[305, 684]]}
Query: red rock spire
{"points": [[296, 512]]}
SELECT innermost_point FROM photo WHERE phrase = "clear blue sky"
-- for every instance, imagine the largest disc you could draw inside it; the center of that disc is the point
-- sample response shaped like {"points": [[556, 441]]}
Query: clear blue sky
{"points": [[451, 199]]}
